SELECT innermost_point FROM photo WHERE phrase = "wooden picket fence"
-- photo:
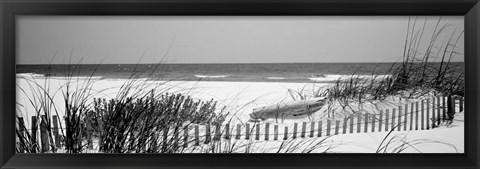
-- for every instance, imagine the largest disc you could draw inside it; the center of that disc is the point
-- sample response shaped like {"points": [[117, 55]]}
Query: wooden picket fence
{"points": [[421, 115]]}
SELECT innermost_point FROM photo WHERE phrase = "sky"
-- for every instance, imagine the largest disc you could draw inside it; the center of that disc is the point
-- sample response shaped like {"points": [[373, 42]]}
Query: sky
{"points": [[221, 39]]}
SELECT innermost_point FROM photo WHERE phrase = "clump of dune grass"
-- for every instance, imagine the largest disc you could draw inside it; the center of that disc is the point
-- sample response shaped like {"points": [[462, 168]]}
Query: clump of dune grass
{"points": [[41, 100], [420, 72], [133, 124]]}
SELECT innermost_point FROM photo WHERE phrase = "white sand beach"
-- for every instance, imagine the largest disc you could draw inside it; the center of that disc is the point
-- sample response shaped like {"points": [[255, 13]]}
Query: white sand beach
{"points": [[240, 98]]}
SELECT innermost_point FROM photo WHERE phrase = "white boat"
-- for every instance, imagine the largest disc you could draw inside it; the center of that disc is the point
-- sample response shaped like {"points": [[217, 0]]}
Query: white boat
{"points": [[285, 109]]}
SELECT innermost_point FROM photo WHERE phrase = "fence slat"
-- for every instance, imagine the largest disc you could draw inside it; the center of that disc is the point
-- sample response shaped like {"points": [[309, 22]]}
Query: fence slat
{"points": [[373, 122], [312, 128], [444, 114], [34, 133], [319, 134], [44, 134], [387, 119], [56, 135], [21, 128], [89, 135], [453, 105], [380, 121], [267, 130], [412, 111], [295, 127], [439, 105], [329, 122], [433, 112], [197, 136], [461, 104], [275, 130], [422, 118], [428, 114], [344, 131], [359, 123], [207, 134], [239, 130], [416, 115], [337, 123], [247, 131], [227, 131], [351, 123], [304, 128], [394, 113], [399, 118], [257, 134], [100, 132], [405, 118], [218, 132], [185, 136], [366, 123], [285, 133]]}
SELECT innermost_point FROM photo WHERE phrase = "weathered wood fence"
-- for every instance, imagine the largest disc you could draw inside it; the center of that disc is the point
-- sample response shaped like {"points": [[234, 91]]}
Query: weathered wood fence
{"points": [[421, 115]]}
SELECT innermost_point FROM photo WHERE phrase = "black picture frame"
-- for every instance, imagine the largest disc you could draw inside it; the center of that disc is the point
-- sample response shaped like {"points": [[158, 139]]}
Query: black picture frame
{"points": [[11, 8]]}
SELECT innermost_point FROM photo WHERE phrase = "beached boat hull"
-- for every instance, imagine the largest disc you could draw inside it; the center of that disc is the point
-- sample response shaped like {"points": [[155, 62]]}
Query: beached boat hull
{"points": [[286, 109]]}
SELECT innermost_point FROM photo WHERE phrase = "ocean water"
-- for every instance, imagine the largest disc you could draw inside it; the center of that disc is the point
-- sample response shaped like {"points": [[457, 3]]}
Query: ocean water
{"points": [[271, 72]]}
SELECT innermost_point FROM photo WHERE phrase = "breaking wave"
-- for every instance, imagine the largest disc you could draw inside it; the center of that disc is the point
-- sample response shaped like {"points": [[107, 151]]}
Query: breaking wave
{"points": [[211, 76], [332, 77]]}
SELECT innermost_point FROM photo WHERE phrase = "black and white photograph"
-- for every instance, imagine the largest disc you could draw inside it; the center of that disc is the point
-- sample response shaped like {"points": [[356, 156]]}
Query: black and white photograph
{"points": [[240, 84]]}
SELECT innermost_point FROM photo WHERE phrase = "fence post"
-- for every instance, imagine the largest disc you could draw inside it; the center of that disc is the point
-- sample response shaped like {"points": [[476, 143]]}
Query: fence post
{"points": [[366, 123], [304, 128], [428, 114], [312, 128], [227, 131], [399, 118], [267, 130], [329, 122], [387, 119], [461, 104], [239, 130], [247, 131], [285, 133], [295, 126], [337, 123], [359, 123], [380, 121], [21, 126], [422, 118], [197, 136], [34, 134], [44, 134], [319, 134], [275, 131], [55, 131], [257, 134], [207, 134], [344, 125]]}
